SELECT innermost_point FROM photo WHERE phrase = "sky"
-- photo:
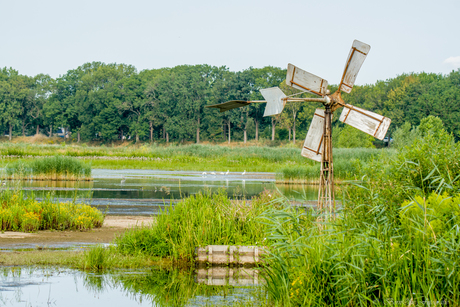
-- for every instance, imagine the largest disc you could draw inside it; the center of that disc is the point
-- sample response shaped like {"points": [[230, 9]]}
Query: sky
{"points": [[54, 36]]}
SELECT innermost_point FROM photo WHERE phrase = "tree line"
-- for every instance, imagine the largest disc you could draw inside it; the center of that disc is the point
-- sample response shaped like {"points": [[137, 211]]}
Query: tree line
{"points": [[108, 102]]}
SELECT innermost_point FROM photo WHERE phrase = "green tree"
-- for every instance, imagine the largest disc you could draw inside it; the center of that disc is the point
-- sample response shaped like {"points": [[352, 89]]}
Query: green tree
{"points": [[14, 97], [152, 111], [41, 91]]}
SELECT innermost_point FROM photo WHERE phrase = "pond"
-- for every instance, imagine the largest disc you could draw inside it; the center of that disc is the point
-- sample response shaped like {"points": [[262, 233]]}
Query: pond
{"points": [[145, 192], [21, 286]]}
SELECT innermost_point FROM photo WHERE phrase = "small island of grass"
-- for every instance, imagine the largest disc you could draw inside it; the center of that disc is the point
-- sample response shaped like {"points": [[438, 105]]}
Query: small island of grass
{"points": [[50, 168], [18, 213]]}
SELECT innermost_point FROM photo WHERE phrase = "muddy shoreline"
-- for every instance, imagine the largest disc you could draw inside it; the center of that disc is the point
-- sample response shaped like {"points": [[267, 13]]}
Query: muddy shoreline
{"points": [[113, 226]]}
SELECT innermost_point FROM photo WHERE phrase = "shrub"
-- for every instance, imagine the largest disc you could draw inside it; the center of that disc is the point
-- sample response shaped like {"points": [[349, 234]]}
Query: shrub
{"points": [[437, 213]]}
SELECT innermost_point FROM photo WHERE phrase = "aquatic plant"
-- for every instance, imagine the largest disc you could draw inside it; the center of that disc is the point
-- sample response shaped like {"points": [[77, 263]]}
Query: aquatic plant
{"points": [[20, 213], [96, 258], [54, 168], [438, 213]]}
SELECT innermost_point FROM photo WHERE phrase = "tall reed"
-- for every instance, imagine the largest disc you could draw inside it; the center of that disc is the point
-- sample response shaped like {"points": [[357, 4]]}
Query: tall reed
{"points": [[50, 168], [200, 220], [359, 261], [395, 240]]}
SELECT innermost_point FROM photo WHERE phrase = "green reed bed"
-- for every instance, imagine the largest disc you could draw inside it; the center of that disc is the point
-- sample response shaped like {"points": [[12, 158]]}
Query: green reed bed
{"points": [[349, 164], [199, 220], [18, 213], [395, 240], [354, 260], [286, 161], [50, 168]]}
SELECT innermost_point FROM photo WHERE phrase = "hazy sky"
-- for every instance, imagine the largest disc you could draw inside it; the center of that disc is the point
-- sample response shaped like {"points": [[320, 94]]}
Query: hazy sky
{"points": [[54, 36]]}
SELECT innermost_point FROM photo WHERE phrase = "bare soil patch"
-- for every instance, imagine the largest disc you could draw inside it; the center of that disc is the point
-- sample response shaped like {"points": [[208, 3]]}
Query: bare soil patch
{"points": [[113, 226]]}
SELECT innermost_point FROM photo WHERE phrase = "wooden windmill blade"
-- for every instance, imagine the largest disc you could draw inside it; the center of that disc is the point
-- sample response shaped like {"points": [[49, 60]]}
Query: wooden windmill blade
{"points": [[313, 145], [355, 60], [275, 102], [305, 81], [369, 122]]}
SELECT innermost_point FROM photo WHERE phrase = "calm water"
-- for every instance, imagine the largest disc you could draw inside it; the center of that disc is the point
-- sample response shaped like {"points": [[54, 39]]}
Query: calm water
{"points": [[141, 192], [153, 287], [144, 192]]}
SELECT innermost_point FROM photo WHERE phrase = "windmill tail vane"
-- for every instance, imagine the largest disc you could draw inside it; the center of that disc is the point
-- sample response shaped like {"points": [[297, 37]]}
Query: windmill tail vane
{"points": [[318, 142]]}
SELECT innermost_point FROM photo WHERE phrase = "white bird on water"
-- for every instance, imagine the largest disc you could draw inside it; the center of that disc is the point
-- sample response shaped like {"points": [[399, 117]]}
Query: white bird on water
{"points": [[212, 173], [244, 172], [123, 180]]}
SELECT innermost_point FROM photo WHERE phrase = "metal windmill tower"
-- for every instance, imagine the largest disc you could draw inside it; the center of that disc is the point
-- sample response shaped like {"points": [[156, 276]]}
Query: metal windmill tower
{"points": [[318, 143]]}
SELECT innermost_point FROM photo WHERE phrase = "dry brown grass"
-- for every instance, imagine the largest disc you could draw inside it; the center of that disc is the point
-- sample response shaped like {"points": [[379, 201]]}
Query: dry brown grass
{"points": [[35, 139]]}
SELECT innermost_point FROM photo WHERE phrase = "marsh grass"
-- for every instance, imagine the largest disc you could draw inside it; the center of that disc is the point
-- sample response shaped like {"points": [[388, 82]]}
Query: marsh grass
{"points": [[100, 257], [200, 220], [349, 164], [49, 168], [356, 261], [395, 241], [87, 260], [42, 258], [284, 160], [20, 213]]}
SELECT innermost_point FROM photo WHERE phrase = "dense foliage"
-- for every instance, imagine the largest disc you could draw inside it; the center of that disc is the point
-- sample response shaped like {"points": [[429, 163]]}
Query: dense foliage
{"points": [[107, 102]]}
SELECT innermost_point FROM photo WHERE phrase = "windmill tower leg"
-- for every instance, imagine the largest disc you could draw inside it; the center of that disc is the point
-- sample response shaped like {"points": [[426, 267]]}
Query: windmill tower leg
{"points": [[326, 198]]}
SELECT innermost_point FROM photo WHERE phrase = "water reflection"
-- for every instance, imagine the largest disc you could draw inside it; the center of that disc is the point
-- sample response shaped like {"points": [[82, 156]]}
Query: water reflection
{"points": [[154, 287], [144, 192]]}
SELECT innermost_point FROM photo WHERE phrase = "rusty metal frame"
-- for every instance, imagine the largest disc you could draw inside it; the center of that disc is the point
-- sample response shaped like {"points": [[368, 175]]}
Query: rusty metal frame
{"points": [[326, 195], [377, 130]]}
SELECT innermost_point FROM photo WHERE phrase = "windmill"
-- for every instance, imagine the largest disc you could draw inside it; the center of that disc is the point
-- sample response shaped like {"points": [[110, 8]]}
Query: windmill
{"points": [[318, 142]]}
